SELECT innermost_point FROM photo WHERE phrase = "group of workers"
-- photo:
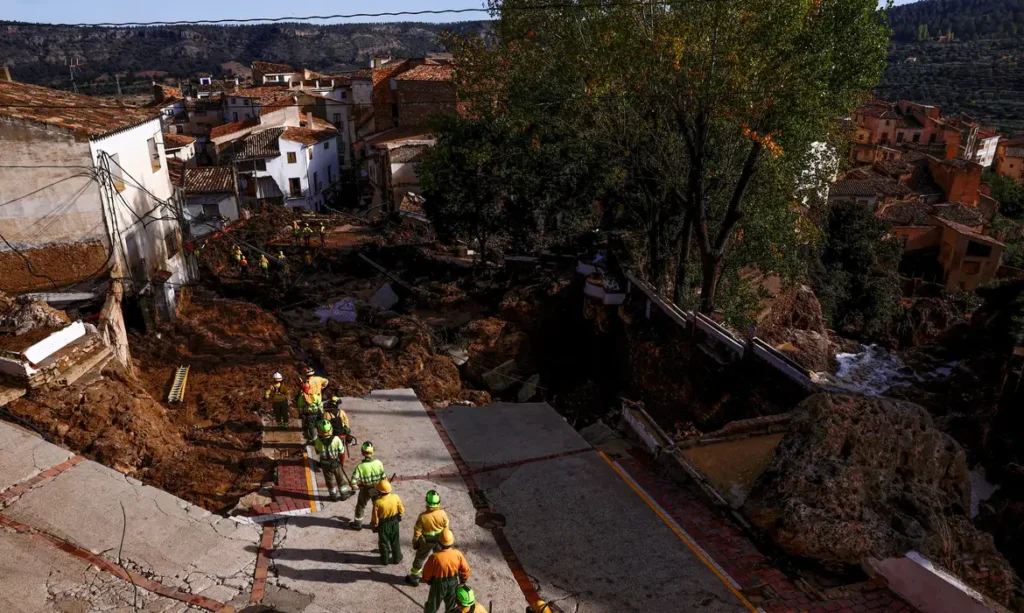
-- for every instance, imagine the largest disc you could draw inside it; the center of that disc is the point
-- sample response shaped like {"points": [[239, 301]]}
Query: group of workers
{"points": [[436, 561], [303, 234]]}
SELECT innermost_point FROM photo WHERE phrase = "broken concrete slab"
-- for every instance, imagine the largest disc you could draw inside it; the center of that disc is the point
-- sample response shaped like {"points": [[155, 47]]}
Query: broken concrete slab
{"points": [[458, 355], [577, 527], [384, 298], [165, 535], [529, 389], [508, 432], [343, 310], [385, 341], [36, 577], [24, 454], [502, 377], [9, 394]]}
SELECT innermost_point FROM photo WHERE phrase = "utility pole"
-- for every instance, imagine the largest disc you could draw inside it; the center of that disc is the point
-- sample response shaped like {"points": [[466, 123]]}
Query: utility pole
{"points": [[72, 65]]}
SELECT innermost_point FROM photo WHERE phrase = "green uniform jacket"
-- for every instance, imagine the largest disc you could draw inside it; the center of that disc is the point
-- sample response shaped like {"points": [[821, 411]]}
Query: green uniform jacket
{"points": [[368, 473], [331, 451]]}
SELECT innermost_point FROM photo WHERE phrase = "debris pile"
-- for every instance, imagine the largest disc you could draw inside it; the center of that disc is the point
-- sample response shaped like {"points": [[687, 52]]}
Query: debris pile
{"points": [[22, 314], [220, 327], [860, 476]]}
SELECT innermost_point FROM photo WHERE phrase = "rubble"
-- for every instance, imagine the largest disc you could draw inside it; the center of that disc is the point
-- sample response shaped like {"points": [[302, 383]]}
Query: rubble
{"points": [[22, 314], [385, 298], [860, 476], [501, 379], [529, 389], [385, 341]]}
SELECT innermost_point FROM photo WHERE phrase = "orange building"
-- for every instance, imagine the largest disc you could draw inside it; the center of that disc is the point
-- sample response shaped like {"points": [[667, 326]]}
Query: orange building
{"points": [[959, 179], [1010, 159]]}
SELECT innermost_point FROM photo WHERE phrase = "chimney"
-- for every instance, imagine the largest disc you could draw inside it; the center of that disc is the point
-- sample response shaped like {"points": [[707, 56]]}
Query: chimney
{"points": [[5, 74], [158, 93]]}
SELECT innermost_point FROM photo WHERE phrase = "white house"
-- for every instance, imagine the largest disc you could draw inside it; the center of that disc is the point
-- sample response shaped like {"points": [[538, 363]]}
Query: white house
{"points": [[265, 73], [392, 158], [211, 196], [180, 147], [282, 157], [92, 188], [249, 102]]}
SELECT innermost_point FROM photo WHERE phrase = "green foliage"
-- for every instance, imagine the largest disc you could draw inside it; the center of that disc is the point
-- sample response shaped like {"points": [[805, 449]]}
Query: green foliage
{"points": [[1009, 194], [855, 275], [968, 19]]}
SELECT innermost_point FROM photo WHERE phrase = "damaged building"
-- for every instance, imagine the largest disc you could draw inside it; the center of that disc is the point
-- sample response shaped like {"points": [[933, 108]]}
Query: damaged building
{"points": [[85, 191]]}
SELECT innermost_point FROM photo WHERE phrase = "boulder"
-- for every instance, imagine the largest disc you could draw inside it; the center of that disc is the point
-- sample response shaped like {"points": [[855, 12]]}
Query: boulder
{"points": [[807, 348], [861, 476], [385, 341]]}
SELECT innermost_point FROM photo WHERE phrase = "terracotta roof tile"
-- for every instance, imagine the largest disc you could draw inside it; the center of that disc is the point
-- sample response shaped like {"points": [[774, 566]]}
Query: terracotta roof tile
{"points": [[271, 67], [958, 213], [228, 128], [264, 94], [907, 214], [84, 115], [209, 180], [962, 229], [256, 145], [1015, 152], [428, 72], [176, 171], [177, 141], [852, 188], [320, 131]]}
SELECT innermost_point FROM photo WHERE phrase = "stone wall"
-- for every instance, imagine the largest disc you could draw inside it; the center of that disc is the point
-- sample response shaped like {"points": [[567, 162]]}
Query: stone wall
{"points": [[418, 100]]}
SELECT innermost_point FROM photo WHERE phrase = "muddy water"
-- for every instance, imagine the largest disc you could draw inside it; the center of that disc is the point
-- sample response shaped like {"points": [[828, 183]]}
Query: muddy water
{"points": [[733, 466]]}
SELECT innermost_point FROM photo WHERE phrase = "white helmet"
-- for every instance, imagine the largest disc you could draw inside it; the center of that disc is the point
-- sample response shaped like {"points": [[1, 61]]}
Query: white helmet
{"points": [[278, 377]]}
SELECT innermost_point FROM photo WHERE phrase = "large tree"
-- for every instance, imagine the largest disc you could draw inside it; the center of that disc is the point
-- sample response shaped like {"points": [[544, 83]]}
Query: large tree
{"points": [[709, 109]]}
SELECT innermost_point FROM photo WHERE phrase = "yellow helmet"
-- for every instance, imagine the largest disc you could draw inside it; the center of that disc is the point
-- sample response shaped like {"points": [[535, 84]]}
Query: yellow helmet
{"points": [[447, 538], [384, 486], [541, 607]]}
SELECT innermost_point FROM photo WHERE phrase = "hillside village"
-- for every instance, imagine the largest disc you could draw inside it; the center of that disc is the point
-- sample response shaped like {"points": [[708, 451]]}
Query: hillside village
{"points": [[561, 305]]}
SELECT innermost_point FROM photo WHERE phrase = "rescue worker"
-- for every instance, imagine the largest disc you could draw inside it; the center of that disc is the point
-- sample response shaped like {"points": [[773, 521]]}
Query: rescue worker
{"points": [[467, 600], [236, 253], [429, 525], [307, 233], [316, 384], [387, 513], [539, 607], [331, 451], [283, 261], [278, 397], [365, 476], [444, 572], [338, 418], [323, 233], [264, 265], [309, 259], [311, 410], [296, 232], [243, 267]]}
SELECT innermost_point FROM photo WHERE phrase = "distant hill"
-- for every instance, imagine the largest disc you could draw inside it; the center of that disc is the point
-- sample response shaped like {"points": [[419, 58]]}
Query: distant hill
{"points": [[40, 53], [979, 72]]}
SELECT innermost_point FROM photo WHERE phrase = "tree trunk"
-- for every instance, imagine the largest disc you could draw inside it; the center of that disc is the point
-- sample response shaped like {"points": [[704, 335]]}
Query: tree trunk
{"points": [[711, 265], [681, 286]]}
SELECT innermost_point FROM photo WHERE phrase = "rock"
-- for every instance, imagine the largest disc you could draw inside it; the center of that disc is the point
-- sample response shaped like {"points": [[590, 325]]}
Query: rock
{"points": [[458, 355], [810, 349], [794, 307], [384, 341], [23, 314], [385, 298], [529, 389], [251, 501], [501, 378], [861, 476]]}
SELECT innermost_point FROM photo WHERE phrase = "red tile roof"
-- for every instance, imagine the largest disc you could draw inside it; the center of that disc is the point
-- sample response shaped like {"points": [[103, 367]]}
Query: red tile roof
{"points": [[428, 72], [228, 128], [271, 67], [209, 180], [962, 229], [320, 131], [257, 145], [177, 141], [84, 115], [264, 94]]}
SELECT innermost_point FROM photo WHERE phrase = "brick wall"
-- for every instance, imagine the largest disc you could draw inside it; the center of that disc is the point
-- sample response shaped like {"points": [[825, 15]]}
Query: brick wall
{"points": [[418, 100]]}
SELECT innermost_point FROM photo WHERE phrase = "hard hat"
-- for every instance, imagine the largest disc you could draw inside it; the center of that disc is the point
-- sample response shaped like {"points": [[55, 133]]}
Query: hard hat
{"points": [[367, 448], [278, 377], [465, 595], [384, 486], [335, 400], [280, 254], [447, 538], [310, 372], [306, 388], [433, 499], [540, 607], [325, 428]]}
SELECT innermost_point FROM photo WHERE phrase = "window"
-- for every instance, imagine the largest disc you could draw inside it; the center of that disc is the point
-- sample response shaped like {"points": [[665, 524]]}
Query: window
{"points": [[291, 157], [899, 137], [316, 183], [295, 188], [171, 244], [327, 144], [234, 116], [394, 111], [310, 151], [211, 211], [931, 139], [886, 122], [154, 154], [330, 174], [978, 250], [253, 165], [337, 119], [343, 95], [234, 101], [917, 137], [115, 172]]}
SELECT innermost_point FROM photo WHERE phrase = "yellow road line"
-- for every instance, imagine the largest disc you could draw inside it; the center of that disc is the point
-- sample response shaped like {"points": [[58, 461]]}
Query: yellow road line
{"points": [[309, 483], [678, 532]]}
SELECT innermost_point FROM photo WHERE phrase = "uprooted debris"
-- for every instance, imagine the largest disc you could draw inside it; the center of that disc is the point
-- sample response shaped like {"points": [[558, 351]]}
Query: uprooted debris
{"points": [[23, 314]]}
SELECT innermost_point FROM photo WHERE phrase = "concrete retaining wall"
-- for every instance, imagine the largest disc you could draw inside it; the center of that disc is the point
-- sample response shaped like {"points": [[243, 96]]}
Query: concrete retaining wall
{"points": [[927, 588]]}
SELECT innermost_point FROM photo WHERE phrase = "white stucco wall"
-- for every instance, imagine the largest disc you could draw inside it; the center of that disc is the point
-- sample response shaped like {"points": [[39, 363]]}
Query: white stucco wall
{"points": [[304, 169], [240, 108], [184, 154], [362, 91], [227, 207], [144, 188]]}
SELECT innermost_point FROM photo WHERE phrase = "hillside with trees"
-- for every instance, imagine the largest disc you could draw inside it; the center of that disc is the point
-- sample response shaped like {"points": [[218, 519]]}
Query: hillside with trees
{"points": [[39, 53], [963, 55]]}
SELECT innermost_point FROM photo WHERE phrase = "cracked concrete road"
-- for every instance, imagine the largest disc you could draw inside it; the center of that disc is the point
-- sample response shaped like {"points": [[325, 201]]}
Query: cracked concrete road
{"points": [[584, 537], [166, 538], [317, 555]]}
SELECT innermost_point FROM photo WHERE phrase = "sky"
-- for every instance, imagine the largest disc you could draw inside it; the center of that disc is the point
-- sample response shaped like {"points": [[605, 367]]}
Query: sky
{"points": [[119, 11]]}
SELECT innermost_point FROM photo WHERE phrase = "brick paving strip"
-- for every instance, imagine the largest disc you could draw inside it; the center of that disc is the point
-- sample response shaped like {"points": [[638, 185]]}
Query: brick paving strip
{"points": [[259, 583], [86, 555], [737, 558]]}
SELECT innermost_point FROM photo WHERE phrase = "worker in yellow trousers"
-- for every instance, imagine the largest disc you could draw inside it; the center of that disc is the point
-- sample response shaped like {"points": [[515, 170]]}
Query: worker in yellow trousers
{"points": [[445, 571], [387, 513], [467, 600], [429, 525]]}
